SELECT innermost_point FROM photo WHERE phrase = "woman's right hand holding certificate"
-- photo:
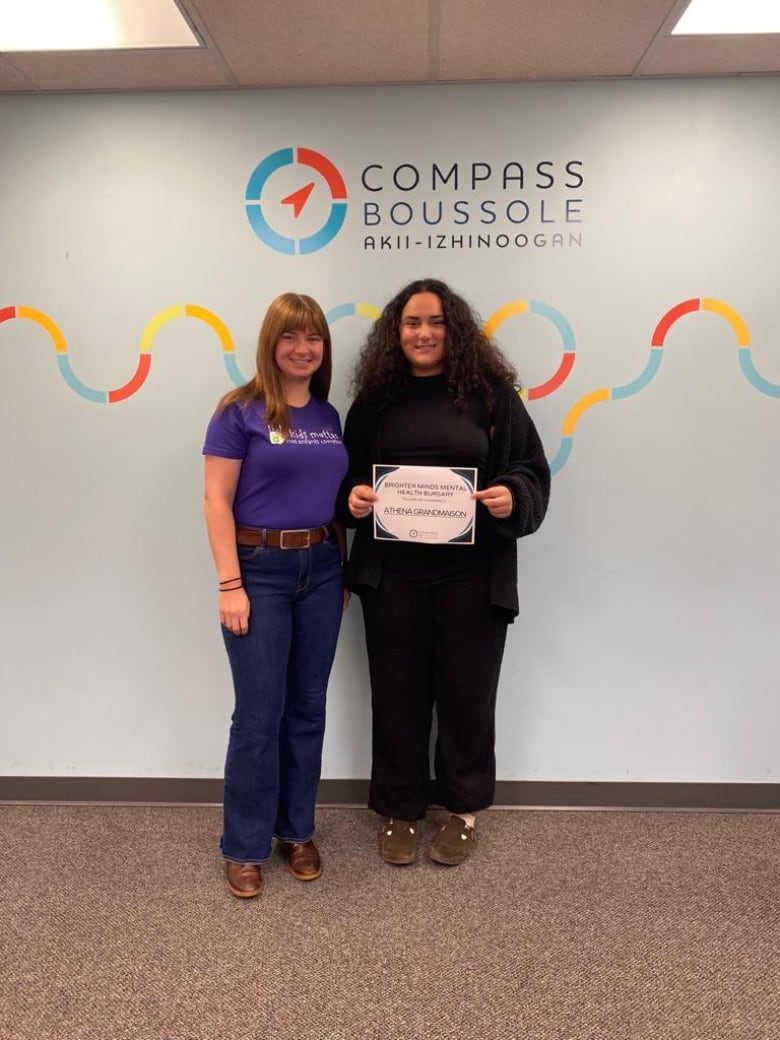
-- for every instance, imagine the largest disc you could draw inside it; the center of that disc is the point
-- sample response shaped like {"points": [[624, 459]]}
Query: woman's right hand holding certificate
{"points": [[361, 500]]}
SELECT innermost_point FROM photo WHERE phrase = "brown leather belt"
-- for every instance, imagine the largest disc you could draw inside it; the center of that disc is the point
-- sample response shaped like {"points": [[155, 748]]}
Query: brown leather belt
{"points": [[300, 539]]}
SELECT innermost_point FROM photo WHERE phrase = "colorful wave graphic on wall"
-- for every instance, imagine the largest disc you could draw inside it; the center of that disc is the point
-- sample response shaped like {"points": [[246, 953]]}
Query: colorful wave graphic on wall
{"points": [[367, 310]]}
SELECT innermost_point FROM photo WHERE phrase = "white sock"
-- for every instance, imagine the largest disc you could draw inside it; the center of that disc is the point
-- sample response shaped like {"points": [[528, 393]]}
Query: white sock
{"points": [[469, 819]]}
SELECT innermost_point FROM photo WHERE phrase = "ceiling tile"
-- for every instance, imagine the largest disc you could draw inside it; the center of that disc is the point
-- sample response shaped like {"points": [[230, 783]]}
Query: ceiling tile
{"points": [[11, 79], [305, 42], [712, 56], [123, 70], [279, 43], [545, 39]]}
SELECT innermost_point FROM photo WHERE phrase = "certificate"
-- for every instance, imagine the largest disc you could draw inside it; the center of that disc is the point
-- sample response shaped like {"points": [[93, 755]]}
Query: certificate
{"points": [[431, 504]]}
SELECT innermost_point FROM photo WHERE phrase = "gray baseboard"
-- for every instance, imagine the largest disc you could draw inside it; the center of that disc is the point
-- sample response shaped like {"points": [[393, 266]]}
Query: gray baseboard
{"points": [[521, 794]]}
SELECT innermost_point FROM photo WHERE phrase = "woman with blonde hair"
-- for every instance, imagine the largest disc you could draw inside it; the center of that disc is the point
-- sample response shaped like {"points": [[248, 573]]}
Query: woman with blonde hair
{"points": [[274, 460]]}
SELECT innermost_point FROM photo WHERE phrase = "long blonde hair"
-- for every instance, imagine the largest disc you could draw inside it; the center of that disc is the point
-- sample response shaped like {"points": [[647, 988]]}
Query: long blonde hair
{"points": [[289, 312]]}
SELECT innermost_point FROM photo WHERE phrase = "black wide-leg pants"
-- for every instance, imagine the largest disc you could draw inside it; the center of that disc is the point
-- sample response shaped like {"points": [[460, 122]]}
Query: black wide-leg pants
{"points": [[433, 640]]}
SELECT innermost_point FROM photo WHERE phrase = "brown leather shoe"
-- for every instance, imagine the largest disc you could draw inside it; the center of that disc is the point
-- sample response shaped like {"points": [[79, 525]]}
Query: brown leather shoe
{"points": [[302, 859], [398, 841], [245, 880], [453, 843]]}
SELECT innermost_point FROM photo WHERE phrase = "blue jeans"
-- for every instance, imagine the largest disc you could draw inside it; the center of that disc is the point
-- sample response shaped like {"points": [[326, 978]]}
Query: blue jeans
{"points": [[280, 675]]}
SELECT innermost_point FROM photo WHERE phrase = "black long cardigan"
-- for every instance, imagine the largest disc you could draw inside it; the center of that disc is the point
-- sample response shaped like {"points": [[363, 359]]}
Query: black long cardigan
{"points": [[515, 459]]}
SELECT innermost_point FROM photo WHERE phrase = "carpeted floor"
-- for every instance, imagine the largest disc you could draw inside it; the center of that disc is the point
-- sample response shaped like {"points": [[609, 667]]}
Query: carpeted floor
{"points": [[115, 924]]}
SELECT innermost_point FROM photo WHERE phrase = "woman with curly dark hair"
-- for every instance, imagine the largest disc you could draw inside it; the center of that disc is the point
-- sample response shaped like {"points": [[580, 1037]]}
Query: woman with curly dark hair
{"points": [[433, 390]]}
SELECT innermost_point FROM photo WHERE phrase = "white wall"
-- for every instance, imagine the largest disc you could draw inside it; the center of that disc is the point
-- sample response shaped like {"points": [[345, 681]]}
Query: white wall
{"points": [[646, 648]]}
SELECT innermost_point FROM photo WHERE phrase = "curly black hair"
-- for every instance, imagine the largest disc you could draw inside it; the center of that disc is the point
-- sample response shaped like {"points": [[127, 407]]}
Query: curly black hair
{"points": [[473, 364]]}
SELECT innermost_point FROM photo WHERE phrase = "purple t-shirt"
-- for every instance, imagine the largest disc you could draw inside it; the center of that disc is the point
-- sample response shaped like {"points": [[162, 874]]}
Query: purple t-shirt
{"points": [[283, 484]]}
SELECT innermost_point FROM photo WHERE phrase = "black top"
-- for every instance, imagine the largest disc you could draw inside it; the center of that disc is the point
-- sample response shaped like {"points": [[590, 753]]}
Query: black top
{"points": [[424, 428], [515, 458]]}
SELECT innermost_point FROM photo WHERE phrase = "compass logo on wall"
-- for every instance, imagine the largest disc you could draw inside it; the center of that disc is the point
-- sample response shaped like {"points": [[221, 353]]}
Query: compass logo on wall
{"points": [[305, 219]]}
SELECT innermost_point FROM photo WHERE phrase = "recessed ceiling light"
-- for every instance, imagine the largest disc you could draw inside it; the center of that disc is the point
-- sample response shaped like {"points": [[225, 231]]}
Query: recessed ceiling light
{"points": [[76, 25], [733, 17]]}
